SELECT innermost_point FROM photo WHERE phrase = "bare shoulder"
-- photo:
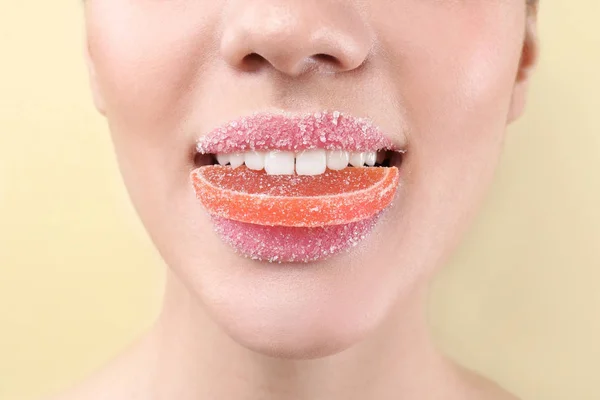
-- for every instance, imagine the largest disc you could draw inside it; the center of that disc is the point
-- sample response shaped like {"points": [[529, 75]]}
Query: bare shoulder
{"points": [[107, 384], [122, 379], [481, 388], [91, 389]]}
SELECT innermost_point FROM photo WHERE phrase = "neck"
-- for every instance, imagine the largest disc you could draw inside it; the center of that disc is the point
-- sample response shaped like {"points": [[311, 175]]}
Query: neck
{"points": [[197, 360]]}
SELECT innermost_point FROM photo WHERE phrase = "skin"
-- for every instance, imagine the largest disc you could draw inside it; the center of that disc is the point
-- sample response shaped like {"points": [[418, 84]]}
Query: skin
{"points": [[444, 76]]}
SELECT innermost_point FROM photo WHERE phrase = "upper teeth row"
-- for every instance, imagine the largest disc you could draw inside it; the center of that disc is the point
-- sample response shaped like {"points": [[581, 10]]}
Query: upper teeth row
{"points": [[307, 162]]}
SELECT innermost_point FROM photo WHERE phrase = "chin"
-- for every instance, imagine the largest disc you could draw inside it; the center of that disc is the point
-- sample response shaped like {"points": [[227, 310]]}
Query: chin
{"points": [[304, 331], [309, 336], [297, 310]]}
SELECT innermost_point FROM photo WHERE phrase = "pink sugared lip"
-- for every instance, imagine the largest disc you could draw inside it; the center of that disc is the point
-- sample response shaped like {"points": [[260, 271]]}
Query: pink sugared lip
{"points": [[330, 130], [284, 244], [284, 131]]}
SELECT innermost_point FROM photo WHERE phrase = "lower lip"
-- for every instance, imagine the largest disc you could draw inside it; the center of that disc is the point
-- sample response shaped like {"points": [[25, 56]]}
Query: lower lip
{"points": [[289, 244]]}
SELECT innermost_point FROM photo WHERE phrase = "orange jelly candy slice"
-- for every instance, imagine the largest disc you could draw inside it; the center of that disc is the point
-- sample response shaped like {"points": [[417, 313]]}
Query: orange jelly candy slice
{"points": [[332, 198]]}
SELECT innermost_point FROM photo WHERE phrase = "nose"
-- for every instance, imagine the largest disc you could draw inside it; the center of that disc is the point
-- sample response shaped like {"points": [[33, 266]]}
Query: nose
{"points": [[295, 36]]}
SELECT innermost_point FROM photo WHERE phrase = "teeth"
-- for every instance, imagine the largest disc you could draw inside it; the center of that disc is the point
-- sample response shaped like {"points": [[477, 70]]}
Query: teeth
{"points": [[223, 159], [307, 162], [370, 158], [279, 163], [236, 159], [357, 159], [311, 162], [337, 159], [255, 160]]}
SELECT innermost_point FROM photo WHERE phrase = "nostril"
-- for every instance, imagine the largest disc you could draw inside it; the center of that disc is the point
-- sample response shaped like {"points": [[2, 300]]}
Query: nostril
{"points": [[326, 59], [253, 61], [254, 57], [325, 63]]}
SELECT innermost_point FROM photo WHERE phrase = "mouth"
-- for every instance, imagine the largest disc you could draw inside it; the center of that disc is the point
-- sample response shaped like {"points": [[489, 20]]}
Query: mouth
{"points": [[283, 187]]}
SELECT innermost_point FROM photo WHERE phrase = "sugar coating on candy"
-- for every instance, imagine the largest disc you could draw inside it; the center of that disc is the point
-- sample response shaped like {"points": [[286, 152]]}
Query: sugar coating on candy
{"points": [[329, 130], [288, 244], [245, 180], [333, 198]]}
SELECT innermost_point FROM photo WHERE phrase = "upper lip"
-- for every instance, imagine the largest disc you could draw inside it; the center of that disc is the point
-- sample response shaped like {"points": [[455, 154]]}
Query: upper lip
{"points": [[330, 130]]}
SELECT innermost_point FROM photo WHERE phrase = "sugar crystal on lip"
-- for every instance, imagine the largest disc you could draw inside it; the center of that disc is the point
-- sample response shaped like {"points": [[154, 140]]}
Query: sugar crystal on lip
{"points": [[285, 244], [286, 131]]}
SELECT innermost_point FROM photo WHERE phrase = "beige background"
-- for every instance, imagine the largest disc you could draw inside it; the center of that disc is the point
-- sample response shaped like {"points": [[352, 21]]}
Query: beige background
{"points": [[79, 279]]}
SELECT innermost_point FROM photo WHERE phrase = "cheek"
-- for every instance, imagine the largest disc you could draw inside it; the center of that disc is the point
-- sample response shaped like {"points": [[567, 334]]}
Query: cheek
{"points": [[455, 70], [147, 56]]}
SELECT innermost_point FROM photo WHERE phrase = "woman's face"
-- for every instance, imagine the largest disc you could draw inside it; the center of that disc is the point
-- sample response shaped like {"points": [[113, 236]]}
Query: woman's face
{"points": [[440, 77]]}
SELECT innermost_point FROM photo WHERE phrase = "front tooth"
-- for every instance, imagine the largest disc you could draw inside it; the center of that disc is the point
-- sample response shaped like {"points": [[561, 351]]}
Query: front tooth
{"points": [[223, 159], [255, 160], [279, 163], [236, 159], [311, 162], [357, 159], [337, 159], [370, 158]]}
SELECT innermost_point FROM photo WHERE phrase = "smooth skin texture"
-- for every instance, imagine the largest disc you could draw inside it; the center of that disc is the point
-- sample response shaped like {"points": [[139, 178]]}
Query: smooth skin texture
{"points": [[447, 75]]}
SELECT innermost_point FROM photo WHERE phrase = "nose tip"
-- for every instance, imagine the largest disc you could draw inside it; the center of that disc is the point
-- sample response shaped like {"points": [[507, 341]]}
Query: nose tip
{"points": [[300, 36]]}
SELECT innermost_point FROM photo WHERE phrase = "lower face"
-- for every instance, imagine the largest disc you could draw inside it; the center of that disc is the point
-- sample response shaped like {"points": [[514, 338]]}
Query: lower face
{"points": [[438, 79]]}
